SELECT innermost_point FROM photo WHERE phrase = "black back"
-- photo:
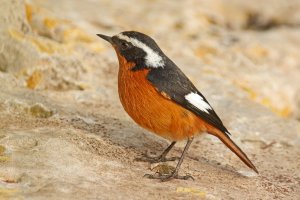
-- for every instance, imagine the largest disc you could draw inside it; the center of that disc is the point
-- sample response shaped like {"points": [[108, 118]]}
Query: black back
{"points": [[172, 81]]}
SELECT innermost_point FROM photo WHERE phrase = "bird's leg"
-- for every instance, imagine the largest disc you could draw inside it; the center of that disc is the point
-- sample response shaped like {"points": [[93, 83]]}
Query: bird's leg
{"points": [[160, 158], [174, 174]]}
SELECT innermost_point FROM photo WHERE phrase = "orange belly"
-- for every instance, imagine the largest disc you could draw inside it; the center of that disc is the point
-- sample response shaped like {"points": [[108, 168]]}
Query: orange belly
{"points": [[151, 110]]}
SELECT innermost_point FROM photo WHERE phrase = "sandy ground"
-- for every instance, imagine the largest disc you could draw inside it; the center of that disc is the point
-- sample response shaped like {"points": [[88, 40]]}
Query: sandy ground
{"points": [[64, 134]]}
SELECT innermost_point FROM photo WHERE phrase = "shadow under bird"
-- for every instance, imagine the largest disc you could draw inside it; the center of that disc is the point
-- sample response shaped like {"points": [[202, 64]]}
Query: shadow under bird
{"points": [[159, 97]]}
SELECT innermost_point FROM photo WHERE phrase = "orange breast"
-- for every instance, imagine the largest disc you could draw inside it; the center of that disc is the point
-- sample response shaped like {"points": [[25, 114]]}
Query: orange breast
{"points": [[153, 111]]}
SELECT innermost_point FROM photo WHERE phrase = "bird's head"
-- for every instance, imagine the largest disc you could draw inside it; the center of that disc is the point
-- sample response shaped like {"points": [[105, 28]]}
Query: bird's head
{"points": [[137, 48]]}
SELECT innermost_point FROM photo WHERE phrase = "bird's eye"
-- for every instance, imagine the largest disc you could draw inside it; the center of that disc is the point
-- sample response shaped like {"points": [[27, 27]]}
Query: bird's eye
{"points": [[124, 45]]}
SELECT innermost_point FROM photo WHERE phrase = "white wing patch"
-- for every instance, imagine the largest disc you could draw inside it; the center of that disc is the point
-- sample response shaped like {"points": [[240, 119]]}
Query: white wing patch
{"points": [[196, 100], [152, 58]]}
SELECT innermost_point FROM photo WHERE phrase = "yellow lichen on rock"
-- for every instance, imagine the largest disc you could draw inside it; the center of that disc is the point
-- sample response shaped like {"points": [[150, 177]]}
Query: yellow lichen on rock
{"points": [[56, 29], [56, 35], [18, 35], [50, 23], [193, 191], [40, 111], [43, 45], [34, 79], [283, 111], [8, 192], [163, 169], [76, 35], [29, 11], [251, 93], [256, 52], [49, 46], [2, 149], [205, 50], [3, 158]]}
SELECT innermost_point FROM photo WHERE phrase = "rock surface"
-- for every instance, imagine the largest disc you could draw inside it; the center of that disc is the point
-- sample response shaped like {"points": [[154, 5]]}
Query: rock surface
{"points": [[64, 134]]}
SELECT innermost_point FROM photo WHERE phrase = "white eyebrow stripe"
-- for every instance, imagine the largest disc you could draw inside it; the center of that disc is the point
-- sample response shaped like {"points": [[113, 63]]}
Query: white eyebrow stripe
{"points": [[196, 100], [152, 58]]}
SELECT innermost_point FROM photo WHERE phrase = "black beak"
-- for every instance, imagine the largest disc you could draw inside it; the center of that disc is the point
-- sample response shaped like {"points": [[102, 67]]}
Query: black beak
{"points": [[104, 37]]}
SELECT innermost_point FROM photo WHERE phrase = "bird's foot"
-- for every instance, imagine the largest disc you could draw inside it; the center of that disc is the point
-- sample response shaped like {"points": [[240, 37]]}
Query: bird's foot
{"points": [[157, 159], [167, 177]]}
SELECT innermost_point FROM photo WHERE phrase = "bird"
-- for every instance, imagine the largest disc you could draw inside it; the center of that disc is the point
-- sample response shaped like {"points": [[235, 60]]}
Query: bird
{"points": [[159, 97]]}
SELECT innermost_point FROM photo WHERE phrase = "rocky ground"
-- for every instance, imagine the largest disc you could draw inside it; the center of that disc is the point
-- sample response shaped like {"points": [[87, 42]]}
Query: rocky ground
{"points": [[64, 134]]}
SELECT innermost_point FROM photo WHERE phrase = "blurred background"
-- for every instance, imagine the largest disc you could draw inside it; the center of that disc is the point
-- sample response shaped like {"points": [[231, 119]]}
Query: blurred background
{"points": [[248, 44], [58, 80]]}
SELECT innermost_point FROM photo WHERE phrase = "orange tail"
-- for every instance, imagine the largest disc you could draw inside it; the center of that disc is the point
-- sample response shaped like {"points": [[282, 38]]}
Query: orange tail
{"points": [[235, 149]]}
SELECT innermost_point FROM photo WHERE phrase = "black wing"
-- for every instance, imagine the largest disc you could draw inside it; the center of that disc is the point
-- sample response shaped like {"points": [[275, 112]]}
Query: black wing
{"points": [[172, 81]]}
